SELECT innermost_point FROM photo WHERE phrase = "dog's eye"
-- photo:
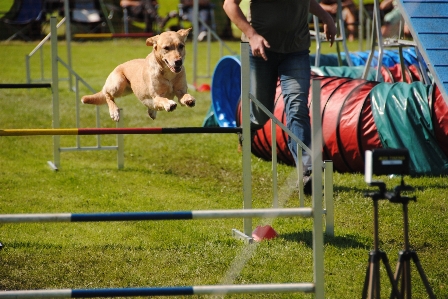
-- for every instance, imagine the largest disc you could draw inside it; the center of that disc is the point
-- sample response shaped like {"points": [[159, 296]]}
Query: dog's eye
{"points": [[181, 47], [166, 48]]}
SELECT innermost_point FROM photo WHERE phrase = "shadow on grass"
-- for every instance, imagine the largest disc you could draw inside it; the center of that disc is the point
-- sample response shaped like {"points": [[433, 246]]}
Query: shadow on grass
{"points": [[346, 241]]}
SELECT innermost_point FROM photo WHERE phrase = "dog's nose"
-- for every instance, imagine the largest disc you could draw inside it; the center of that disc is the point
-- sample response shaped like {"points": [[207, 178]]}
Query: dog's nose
{"points": [[178, 62]]}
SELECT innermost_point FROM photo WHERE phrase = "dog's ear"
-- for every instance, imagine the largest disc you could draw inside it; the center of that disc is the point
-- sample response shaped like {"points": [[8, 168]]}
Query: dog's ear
{"points": [[152, 40], [184, 33]]}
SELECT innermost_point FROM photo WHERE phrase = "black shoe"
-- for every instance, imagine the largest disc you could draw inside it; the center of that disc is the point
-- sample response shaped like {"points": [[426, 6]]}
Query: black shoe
{"points": [[307, 179], [240, 139], [240, 142]]}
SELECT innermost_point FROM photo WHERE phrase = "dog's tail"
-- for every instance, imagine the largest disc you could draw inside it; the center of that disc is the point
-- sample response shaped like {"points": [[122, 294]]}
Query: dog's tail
{"points": [[96, 99]]}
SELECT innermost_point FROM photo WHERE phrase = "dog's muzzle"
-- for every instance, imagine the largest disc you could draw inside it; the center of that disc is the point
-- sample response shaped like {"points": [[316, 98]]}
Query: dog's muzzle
{"points": [[177, 67]]}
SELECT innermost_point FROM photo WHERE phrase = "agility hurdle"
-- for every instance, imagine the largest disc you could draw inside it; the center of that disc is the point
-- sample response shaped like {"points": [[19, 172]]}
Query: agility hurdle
{"points": [[161, 291], [113, 131], [55, 60], [73, 86], [155, 216]]}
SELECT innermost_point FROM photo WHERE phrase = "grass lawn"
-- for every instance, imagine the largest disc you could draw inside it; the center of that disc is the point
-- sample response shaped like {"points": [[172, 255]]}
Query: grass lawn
{"points": [[171, 173]]}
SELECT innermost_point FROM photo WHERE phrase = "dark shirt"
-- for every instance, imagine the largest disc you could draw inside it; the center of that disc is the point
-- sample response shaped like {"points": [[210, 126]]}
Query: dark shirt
{"points": [[283, 23]]}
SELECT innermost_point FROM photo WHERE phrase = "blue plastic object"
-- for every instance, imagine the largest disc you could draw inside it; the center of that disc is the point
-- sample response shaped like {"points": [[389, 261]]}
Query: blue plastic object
{"points": [[226, 90]]}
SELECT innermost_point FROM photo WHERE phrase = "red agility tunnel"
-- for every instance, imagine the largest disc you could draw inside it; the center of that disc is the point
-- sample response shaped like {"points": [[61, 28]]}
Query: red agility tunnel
{"points": [[440, 119], [348, 125], [348, 128], [395, 74]]}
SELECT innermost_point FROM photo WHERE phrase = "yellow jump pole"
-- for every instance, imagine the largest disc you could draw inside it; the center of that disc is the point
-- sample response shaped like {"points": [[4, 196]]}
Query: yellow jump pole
{"points": [[29, 132]]}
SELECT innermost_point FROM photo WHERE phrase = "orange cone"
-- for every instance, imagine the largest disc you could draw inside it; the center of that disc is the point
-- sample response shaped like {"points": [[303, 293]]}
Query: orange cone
{"points": [[204, 88], [265, 232]]}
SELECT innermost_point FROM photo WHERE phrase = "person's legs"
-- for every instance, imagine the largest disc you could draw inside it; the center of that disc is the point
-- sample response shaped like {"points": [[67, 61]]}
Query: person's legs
{"points": [[150, 15], [263, 83], [294, 72], [295, 75], [349, 17], [204, 15]]}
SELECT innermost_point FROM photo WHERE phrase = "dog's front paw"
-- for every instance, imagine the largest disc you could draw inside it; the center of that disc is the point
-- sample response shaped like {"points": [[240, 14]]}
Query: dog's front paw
{"points": [[170, 106], [188, 100], [115, 114]]}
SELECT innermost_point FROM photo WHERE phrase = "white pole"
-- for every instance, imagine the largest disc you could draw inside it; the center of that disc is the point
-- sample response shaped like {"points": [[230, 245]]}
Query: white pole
{"points": [[247, 153], [318, 238], [256, 288], [328, 198], [55, 89], [25, 294], [195, 40], [274, 164], [120, 143]]}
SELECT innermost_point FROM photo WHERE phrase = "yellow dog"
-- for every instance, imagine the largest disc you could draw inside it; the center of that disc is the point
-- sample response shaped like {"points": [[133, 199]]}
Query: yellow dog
{"points": [[154, 80]]}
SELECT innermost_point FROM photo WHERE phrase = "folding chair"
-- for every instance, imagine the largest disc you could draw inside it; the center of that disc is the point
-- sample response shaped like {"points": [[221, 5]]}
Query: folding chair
{"points": [[145, 12], [87, 14], [27, 22]]}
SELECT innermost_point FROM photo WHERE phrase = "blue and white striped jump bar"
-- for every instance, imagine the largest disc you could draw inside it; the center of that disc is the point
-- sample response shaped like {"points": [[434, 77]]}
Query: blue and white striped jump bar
{"points": [[136, 216], [164, 291]]}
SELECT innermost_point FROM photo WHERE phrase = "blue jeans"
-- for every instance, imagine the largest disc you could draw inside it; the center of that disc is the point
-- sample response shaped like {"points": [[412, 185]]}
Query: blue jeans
{"points": [[293, 71], [203, 14]]}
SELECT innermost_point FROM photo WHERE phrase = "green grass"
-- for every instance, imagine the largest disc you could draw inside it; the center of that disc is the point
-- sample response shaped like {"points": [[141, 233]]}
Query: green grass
{"points": [[177, 172]]}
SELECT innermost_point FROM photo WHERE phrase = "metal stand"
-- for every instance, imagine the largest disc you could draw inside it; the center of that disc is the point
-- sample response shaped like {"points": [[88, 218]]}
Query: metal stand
{"points": [[405, 256], [372, 281]]}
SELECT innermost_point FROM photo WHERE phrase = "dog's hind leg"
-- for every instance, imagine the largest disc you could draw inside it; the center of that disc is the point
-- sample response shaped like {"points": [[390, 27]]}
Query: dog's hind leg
{"points": [[114, 111], [95, 99], [152, 113]]}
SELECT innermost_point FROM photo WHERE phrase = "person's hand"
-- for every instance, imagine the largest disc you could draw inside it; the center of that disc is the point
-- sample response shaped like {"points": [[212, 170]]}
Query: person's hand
{"points": [[330, 31], [258, 45]]}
